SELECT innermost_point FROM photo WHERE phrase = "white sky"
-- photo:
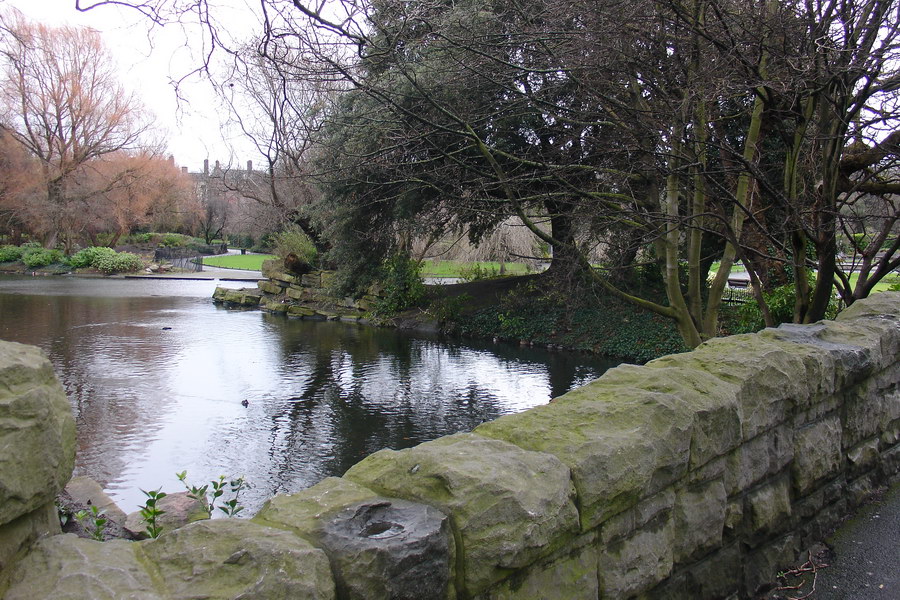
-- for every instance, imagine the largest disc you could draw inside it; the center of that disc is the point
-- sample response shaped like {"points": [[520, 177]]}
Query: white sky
{"points": [[149, 59]]}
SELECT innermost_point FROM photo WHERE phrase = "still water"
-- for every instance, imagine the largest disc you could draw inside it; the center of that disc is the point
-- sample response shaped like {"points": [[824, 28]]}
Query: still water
{"points": [[156, 373]]}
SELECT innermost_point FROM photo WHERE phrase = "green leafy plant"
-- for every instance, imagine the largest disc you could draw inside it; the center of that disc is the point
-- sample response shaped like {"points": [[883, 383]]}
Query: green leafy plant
{"points": [[118, 262], [209, 494], [293, 241], [41, 257], [150, 512], [86, 257], [96, 521], [10, 253], [402, 285]]}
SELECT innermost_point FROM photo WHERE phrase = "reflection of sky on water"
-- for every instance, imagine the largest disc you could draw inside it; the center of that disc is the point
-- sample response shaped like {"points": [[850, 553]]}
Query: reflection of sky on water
{"points": [[156, 374]]}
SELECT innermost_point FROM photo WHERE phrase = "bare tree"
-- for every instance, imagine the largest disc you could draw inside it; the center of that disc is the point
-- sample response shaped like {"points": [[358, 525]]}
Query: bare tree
{"points": [[62, 101]]}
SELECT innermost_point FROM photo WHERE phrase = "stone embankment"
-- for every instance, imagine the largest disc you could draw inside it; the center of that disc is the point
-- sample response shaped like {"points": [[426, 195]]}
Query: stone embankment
{"points": [[305, 296], [695, 476]]}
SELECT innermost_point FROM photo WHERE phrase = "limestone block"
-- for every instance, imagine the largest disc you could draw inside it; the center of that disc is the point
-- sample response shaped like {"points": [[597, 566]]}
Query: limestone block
{"points": [[714, 404], [768, 377], [878, 337], [769, 507], [766, 561], [242, 297], [699, 520], [86, 491], [764, 455], [883, 303], [716, 576], [295, 310], [312, 280], [634, 565], [17, 535], [867, 412], [628, 521], [179, 509], [573, 577], [622, 444], [862, 457], [831, 361], [508, 506], [296, 294], [275, 306], [232, 558], [388, 550], [271, 287], [66, 567], [817, 453], [37, 432], [303, 511]]}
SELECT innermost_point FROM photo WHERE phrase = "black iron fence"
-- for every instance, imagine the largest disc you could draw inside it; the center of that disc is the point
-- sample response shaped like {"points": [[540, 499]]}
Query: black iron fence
{"points": [[186, 259]]}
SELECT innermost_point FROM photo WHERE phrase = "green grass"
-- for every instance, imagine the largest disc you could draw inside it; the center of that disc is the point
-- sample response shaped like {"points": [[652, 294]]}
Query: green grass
{"points": [[881, 286], [456, 268], [249, 262]]}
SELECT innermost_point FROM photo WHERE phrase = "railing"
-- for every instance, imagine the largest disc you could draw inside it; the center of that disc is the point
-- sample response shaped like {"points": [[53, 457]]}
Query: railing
{"points": [[185, 259]]}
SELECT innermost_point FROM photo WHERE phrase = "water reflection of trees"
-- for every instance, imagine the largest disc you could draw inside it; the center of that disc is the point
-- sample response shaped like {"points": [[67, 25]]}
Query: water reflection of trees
{"points": [[350, 391]]}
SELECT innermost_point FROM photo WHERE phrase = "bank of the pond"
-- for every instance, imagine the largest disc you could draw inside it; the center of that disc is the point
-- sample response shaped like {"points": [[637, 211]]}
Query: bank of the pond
{"points": [[528, 310]]}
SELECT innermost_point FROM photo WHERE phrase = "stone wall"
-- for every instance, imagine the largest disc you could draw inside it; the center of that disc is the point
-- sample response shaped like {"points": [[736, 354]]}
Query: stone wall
{"points": [[698, 475], [304, 296], [37, 449]]}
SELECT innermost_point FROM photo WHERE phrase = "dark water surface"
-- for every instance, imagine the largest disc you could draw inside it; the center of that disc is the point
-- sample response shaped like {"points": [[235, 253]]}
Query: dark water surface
{"points": [[150, 401]]}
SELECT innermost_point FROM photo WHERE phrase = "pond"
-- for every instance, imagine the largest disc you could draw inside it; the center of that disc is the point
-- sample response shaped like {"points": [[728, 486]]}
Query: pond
{"points": [[156, 375]]}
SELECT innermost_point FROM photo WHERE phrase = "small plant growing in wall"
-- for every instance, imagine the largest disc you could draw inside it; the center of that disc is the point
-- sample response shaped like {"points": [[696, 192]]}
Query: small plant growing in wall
{"points": [[209, 497], [94, 522], [150, 512]]}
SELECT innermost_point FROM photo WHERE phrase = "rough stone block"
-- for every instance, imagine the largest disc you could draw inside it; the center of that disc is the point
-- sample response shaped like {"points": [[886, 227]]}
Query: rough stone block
{"points": [[302, 511], [17, 535], [768, 378], [241, 297], [868, 412], [764, 455], [627, 522], [232, 558], [86, 491], [37, 432], [508, 506], [634, 565], [179, 509], [66, 567], [762, 564], [622, 444], [572, 576], [769, 507], [295, 294], [312, 280], [296, 310], [817, 453], [388, 550], [271, 287], [716, 576], [274, 305], [713, 402], [699, 520], [862, 457]]}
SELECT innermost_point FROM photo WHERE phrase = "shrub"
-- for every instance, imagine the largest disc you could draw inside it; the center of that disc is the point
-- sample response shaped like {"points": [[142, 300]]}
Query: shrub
{"points": [[86, 257], [173, 240], [402, 285], [477, 271], [293, 241], [781, 306], [10, 253], [41, 257], [118, 262]]}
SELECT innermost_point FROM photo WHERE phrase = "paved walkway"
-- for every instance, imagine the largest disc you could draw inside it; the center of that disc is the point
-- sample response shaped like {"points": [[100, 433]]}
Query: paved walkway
{"points": [[865, 563], [206, 273]]}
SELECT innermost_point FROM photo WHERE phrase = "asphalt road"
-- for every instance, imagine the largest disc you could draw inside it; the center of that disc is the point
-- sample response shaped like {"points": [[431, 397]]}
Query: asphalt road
{"points": [[863, 561]]}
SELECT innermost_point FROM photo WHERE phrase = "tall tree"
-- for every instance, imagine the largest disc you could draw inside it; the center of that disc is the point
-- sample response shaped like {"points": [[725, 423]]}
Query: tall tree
{"points": [[61, 99]]}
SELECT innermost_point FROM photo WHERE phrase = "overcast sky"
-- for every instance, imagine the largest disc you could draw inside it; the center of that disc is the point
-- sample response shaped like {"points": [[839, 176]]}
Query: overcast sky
{"points": [[149, 58]]}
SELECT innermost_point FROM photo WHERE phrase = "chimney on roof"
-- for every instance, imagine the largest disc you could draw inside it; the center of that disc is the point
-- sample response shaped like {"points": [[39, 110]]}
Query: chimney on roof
{"points": [[206, 166], [172, 159], [249, 166], [184, 170], [217, 165]]}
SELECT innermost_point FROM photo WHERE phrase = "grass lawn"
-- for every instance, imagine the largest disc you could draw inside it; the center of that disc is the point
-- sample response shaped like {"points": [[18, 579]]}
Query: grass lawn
{"points": [[881, 286], [456, 268], [249, 262]]}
